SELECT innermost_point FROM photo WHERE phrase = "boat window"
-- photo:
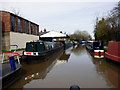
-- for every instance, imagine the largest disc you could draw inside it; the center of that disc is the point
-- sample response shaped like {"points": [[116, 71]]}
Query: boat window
{"points": [[40, 47], [47, 47], [31, 47], [28, 47]]}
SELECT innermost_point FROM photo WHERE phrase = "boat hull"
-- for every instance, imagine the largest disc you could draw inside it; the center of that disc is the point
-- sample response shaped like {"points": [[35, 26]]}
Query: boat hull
{"points": [[10, 78], [113, 52], [43, 55]]}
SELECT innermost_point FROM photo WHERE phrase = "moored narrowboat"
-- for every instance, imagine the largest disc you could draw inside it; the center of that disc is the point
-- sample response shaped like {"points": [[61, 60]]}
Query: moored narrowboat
{"points": [[113, 51], [96, 47], [40, 49]]}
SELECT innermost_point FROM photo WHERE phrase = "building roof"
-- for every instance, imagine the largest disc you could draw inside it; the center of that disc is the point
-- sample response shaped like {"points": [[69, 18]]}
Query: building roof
{"points": [[53, 34], [19, 17]]}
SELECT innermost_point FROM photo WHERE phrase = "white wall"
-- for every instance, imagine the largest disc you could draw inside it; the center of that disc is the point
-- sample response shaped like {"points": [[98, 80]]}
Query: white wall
{"points": [[20, 39]]}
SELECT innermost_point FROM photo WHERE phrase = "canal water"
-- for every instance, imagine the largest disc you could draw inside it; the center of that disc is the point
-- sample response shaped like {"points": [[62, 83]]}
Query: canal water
{"points": [[73, 66]]}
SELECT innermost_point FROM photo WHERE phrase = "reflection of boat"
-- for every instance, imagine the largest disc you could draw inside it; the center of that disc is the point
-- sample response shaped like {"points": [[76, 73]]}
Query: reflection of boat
{"points": [[37, 70], [40, 49], [113, 74], [109, 71]]}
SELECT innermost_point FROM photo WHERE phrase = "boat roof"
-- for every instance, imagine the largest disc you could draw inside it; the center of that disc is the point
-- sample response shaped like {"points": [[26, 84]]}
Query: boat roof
{"points": [[35, 41], [92, 41]]}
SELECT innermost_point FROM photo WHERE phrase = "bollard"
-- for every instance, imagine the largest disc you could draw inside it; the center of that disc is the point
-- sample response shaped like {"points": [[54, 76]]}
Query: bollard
{"points": [[12, 63]]}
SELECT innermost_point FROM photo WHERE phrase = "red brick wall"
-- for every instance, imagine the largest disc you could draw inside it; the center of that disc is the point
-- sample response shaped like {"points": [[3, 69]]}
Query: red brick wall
{"points": [[16, 24], [37, 30], [23, 26], [29, 28], [34, 26], [6, 24]]}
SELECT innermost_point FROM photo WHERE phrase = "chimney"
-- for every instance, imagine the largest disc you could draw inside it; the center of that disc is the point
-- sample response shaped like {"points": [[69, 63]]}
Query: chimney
{"points": [[44, 30]]}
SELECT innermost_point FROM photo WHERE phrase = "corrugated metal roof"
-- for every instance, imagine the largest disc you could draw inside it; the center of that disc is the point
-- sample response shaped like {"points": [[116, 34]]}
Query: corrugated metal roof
{"points": [[53, 34]]}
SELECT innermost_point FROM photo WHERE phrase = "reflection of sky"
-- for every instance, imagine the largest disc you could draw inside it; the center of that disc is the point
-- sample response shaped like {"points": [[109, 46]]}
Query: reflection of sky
{"points": [[64, 16], [80, 70], [60, 62]]}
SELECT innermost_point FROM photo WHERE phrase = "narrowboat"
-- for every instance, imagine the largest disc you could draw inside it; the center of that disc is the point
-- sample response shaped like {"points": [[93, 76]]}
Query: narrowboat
{"points": [[96, 47], [41, 49], [113, 51]]}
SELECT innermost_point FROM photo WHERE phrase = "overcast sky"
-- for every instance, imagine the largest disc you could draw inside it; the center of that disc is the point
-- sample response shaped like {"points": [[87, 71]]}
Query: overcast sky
{"points": [[61, 15]]}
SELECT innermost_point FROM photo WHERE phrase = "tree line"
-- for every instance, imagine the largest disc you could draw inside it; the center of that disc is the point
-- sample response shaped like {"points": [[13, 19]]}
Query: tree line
{"points": [[80, 36], [108, 28]]}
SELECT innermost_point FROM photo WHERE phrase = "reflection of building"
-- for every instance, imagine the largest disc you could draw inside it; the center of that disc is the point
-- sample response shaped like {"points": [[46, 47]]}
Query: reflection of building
{"points": [[64, 57], [17, 30]]}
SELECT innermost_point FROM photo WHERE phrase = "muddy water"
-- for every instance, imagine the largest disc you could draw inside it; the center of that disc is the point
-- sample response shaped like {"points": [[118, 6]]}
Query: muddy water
{"points": [[73, 66]]}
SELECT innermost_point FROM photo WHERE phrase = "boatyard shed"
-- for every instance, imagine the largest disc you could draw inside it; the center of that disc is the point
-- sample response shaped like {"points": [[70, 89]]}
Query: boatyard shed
{"points": [[17, 30], [50, 35]]}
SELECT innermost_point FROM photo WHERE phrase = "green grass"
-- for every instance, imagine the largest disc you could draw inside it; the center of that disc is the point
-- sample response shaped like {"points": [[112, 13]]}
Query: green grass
{"points": [[12, 50], [18, 49]]}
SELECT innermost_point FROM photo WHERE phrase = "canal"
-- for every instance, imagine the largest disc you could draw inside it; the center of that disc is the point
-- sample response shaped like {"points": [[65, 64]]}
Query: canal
{"points": [[73, 66]]}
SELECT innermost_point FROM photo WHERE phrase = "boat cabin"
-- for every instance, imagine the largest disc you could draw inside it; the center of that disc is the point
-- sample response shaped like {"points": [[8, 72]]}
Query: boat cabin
{"points": [[41, 46], [95, 45]]}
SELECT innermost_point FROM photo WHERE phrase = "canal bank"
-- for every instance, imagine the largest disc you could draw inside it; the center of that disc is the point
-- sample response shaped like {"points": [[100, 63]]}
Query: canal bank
{"points": [[80, 68]]}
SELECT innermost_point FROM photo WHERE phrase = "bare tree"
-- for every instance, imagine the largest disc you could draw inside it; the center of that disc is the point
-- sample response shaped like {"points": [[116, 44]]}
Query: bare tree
{"points": [[16, 12], [80, 35]]}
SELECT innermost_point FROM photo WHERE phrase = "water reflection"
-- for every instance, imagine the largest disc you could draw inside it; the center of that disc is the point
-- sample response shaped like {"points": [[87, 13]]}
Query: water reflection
{"points": [[78, 49], [113, 74], [39, 69], [110, 71], [64, 57], [74, 66]]}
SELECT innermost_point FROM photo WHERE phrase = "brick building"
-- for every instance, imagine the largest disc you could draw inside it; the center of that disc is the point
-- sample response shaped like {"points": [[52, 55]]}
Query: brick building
{"points": [[17, 30]]}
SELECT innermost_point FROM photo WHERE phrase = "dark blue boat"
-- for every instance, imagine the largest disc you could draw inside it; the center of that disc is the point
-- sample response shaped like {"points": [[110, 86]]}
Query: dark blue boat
{"points": [[94, 45]]}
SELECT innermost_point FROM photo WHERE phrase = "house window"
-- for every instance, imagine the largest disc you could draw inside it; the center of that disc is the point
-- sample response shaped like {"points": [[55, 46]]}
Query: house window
{"points": [[36, 30], [26, 26], [13, 23], [19, 25], [31, 28]]}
